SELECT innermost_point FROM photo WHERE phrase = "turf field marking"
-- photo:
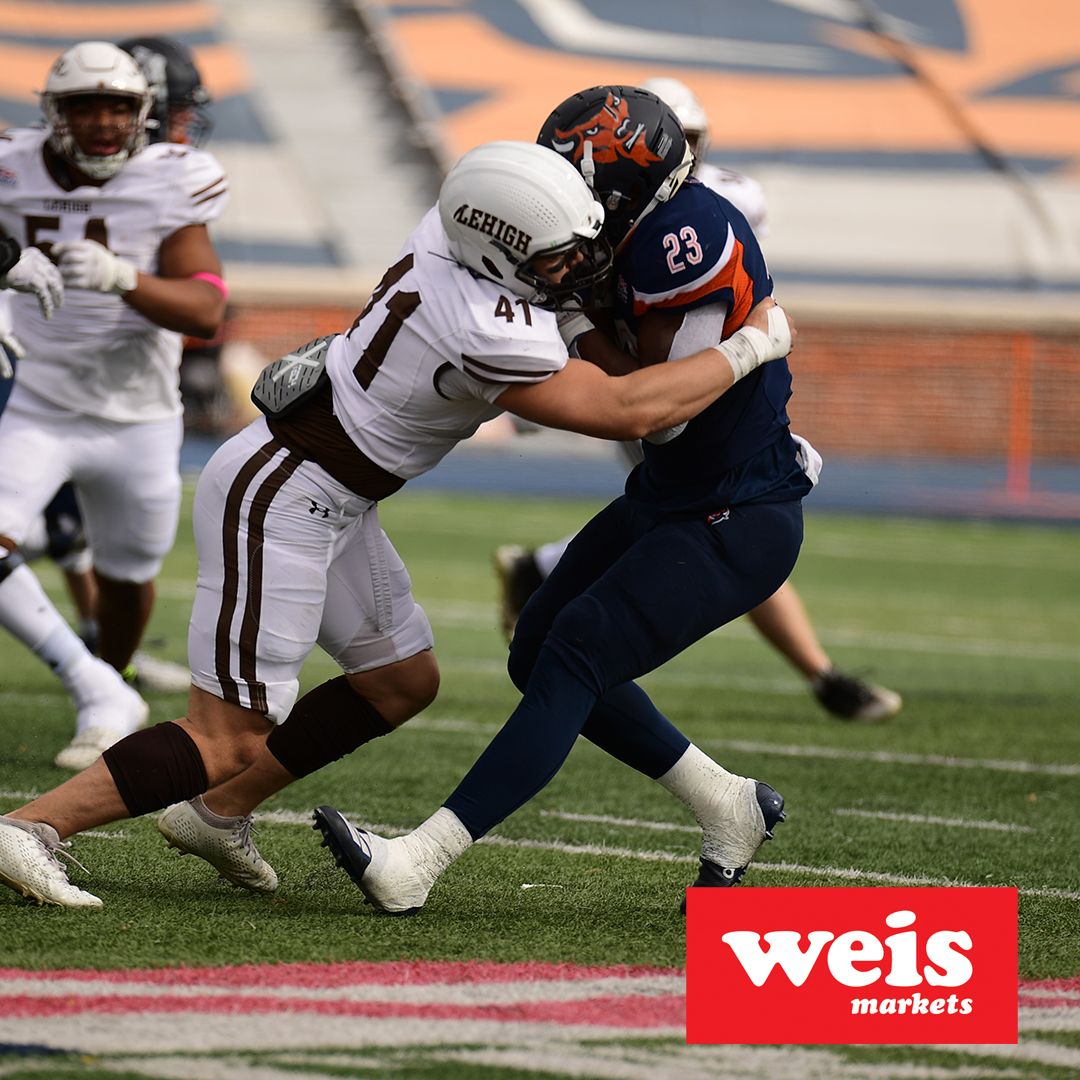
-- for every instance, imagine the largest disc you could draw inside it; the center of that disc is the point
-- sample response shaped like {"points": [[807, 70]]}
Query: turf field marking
{"points": [[881, 815], [297, 818], [620, 1023], [880, 757], [886, 757], [630, 823], [923, 819]]}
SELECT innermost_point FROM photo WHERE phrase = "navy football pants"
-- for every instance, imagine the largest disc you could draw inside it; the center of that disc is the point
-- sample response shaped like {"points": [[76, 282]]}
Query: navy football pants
{"points": [[633, 589]]}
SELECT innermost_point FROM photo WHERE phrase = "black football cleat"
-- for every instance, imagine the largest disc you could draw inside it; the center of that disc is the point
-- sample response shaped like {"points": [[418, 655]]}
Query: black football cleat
{"points": [[850, 698], [712, 875], [391, 886], [345, 843]]}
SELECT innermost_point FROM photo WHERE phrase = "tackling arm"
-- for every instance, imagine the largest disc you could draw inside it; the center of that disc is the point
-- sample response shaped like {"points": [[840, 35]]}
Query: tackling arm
{"points": [[582, 398]]}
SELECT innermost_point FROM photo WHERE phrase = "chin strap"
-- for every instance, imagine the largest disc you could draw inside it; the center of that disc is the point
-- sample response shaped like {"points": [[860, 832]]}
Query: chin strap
{"points": [[588, 167]]}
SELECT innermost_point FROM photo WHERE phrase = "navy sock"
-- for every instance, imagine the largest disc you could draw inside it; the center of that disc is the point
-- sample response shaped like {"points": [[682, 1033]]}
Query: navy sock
{"points": [[627, 725], [528, 751]]}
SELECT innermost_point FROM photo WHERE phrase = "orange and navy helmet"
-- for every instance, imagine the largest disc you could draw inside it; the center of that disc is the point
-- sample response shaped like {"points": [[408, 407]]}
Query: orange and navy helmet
{"points": [[627, 144]]}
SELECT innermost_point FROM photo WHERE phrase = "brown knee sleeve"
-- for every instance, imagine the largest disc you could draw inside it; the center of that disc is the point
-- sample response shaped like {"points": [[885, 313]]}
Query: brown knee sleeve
{"points": [[325, 724], [156, 767]]}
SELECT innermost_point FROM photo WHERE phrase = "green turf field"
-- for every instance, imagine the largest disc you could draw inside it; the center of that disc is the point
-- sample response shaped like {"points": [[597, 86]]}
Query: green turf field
{"points": [[974, 783]]}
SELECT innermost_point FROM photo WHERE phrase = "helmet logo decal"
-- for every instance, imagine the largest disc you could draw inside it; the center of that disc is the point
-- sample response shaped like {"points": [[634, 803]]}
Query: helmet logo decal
{"points": [[500, 231], [611, 132]]}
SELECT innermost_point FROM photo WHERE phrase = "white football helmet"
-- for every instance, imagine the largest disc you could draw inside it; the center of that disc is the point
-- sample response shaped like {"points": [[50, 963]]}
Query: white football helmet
{"points": [[94, 68], [505, 205], [684, 104]]}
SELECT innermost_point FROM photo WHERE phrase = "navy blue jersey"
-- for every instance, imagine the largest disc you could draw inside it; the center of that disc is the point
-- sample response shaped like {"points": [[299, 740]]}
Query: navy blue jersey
{"points": [[694, 250]]}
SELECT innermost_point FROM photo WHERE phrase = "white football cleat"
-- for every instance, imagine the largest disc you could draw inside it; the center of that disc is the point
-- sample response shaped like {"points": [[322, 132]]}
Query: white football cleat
{"points": [[160, 676], [384, 870], [230, 850], [29, 865], [103, 720]]}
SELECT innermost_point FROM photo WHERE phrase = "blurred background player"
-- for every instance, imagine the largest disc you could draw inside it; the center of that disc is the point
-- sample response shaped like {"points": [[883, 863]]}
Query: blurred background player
{"points": [[179, 113], [96, 400], [782, 620]]}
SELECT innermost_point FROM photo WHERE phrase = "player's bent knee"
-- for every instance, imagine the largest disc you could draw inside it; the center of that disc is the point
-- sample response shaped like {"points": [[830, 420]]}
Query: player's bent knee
{"points": [[156, 767], [325, 724], [591, 641], [521, 661]]}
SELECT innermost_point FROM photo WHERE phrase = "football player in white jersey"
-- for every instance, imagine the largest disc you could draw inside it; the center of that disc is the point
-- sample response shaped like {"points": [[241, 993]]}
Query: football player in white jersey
{"points": [[179, 114], [782, 620], [462, 327], [96, 400]]}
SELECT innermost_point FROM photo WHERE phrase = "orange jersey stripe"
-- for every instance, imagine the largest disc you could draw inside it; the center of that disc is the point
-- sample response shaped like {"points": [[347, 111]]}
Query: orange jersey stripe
{"points": [[733, 277]]}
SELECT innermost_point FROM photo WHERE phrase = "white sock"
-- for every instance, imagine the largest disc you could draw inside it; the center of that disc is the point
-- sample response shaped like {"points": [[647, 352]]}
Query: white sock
{"points": [[30, 615], [731, 823], [436, 843]]}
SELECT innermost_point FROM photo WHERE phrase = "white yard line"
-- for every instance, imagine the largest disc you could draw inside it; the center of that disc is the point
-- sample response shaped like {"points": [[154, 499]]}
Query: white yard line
{"points": [[923, 819], [879, 815], [296, 818], [885, 757]]}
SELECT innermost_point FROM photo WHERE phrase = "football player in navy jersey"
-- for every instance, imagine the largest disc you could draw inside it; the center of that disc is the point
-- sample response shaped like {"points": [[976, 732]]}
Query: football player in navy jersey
{"points": [[710, 524], [782, 619]]}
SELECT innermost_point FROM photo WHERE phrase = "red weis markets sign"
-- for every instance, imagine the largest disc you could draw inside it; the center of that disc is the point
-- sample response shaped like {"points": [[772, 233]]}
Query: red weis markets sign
{"points": [[847, 966]]}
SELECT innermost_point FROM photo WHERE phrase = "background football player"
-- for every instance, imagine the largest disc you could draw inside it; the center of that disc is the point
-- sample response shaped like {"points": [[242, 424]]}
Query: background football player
{"points": [[96, 399], [179, 113]]}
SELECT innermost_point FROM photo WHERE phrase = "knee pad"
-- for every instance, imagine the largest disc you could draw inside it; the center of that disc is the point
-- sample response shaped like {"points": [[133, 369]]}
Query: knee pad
{"points": [[325, 724], [156, 767]]}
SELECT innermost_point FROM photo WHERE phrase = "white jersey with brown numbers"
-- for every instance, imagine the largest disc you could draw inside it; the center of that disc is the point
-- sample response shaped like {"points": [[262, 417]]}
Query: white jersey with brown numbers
{"points": [[425, 362], [97, 355]]}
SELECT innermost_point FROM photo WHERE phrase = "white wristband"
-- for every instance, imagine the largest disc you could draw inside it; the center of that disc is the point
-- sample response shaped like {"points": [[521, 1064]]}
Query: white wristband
{"points": [[749, 347]]}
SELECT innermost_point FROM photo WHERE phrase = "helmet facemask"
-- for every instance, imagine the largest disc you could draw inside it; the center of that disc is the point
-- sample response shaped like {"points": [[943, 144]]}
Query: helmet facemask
{"points": [[94, 70], [581, 273]]}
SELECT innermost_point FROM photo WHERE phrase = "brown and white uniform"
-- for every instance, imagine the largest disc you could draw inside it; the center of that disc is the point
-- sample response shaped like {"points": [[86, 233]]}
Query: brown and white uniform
{"points": [[97, 397], [291, 552]]}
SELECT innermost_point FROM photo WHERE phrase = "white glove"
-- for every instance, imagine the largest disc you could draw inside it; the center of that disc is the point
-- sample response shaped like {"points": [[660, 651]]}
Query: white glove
{"points": [[749, 347], [9, 342], [86, 264], [33, 273]]}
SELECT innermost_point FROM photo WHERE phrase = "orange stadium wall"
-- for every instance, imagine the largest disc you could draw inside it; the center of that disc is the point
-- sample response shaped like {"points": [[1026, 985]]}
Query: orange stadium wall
{"points": [[864, 390]]}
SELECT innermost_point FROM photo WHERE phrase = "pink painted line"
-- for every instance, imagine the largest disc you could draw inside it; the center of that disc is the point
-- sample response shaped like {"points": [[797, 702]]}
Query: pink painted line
{"points": [[1027, 1002], [1050, 984], [324, 976], [632, 1011]]}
